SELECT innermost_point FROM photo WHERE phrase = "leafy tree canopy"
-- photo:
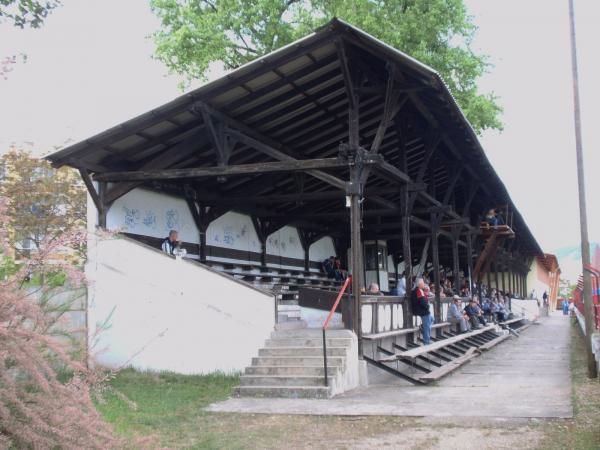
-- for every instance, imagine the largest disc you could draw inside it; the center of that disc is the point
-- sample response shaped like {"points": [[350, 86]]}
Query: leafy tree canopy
{"points": [[23, 13], [437, 32], [43, 202]]}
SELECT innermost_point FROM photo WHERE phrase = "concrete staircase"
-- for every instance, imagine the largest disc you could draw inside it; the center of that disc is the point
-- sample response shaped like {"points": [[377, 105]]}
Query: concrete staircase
{"points": [[290, 365]]}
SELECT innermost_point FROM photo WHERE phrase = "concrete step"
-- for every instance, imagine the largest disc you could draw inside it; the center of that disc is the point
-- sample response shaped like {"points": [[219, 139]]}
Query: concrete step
{"points": [[301, 351], [283, 380], [298, 361], [291, 370], [283, 391], [311, 333], [308, 342], [285, 308]]}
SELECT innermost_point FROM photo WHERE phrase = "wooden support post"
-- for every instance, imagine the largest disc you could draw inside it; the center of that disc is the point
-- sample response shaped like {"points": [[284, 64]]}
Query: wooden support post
{"points": [[497, 286], [102, 213], [406, 253], [435, 257], [455, 259], [503, 279], [470, 259]]}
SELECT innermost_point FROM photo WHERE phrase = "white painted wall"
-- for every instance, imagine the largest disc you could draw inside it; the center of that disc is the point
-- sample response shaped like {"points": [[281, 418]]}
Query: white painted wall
{"points": [[165, 314], [233, 230], [152, 214], [322, 249], [285, 242]]}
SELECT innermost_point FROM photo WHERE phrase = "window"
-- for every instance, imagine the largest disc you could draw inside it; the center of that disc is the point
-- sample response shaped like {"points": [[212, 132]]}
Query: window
{"points": [[375, 257]]}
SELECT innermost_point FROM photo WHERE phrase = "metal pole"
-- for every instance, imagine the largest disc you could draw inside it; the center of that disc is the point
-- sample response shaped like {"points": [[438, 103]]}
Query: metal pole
{"points": [[585, 245]]}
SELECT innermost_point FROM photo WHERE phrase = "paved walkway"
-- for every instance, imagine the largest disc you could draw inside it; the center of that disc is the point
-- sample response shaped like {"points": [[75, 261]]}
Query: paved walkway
{"points": [[520, 378]]}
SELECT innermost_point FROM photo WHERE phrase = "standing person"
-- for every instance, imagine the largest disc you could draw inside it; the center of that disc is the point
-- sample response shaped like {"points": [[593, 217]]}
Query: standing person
{"points": [[565, 307], [170, 244], [545, 298], [420, 307]]}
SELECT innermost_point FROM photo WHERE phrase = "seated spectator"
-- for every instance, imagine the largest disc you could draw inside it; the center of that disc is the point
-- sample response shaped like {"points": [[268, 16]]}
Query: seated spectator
{"points": [[170, 244], [486, 308], [491, 218], [472, 313], [480, 315], [339, 273], [456, 316], [447, 288], [374, 289], [328, 267], [400, 288], [501, 313]]}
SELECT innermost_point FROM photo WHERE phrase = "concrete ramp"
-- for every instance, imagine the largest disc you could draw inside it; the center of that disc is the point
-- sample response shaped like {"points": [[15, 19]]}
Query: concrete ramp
{"points": [[525, 377]]}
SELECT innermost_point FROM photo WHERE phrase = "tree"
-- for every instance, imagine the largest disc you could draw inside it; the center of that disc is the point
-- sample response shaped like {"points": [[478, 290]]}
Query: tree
{"points": [[437, 32], [26, 13], [43, 202], [45, 394]]}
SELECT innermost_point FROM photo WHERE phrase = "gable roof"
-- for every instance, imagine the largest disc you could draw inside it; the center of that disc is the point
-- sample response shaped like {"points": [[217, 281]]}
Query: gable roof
{"points": [[294, 100]]}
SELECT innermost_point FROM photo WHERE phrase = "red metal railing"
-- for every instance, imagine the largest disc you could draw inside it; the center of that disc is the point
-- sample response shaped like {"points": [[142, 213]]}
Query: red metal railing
{"points": [[326, 324], [578, 296]]}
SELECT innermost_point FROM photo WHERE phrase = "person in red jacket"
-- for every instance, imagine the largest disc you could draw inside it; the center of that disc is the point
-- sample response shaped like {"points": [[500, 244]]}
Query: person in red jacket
{"points": [[420, 307]]}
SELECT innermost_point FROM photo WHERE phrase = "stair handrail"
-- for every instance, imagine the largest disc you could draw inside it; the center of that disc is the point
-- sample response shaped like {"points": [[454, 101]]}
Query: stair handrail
{"points": [[326, 323]]}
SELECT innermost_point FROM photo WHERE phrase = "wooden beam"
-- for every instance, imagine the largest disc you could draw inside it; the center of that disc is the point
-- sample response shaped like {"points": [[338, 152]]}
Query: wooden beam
{"points": [[85, 175], [345, 68], [242, 169], [165, 159]]}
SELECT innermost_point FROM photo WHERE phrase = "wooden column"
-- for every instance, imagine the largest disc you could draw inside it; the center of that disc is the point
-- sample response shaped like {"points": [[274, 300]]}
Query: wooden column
{"points": [[503, 278], [455, 259], [102, 213], [470, 259], [406, 253], [435, 258], [496, 275]]}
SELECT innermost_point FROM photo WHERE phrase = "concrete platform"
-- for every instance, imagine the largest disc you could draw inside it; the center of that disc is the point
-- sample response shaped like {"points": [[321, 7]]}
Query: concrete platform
{"points": [[526, 377]]}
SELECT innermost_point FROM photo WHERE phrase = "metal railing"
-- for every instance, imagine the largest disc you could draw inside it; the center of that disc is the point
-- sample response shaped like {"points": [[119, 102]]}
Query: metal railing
{"points": [[326, 324]]}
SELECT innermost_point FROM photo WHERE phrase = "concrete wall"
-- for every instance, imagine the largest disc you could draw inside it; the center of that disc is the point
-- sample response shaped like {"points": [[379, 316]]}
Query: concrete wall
{"points": [[321, 249], [168, 314]]}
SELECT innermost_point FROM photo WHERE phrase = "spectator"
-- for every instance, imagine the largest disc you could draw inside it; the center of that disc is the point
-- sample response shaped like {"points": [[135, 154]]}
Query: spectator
{"points": [[491, 218], [545, 298], [501, 311], [486, 308], [565, 307], [328, 267], [480, 315], [456, 316], [400, 288], [472, 313], [420, 307], [170, 244], [339, 273], [374, 289]]}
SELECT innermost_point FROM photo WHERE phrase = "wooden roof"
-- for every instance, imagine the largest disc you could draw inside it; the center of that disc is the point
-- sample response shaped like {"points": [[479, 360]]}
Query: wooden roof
{"points": [[293, 105]]}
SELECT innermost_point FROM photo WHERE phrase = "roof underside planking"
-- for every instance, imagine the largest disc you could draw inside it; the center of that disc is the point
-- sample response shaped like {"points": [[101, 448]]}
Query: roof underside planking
{"points": [[293, 104]]}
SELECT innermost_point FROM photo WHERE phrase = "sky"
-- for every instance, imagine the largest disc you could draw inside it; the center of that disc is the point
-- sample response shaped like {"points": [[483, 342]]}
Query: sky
{"points": [[90, 67]]}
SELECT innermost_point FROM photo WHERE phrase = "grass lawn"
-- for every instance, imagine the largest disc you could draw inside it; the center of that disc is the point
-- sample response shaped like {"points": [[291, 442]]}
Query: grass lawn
{"points": [[583, 431], [169, 407]]}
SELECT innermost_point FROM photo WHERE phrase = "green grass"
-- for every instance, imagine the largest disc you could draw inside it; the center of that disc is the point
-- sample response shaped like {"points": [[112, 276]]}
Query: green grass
{"points": [[583, 431], [161, 404]]}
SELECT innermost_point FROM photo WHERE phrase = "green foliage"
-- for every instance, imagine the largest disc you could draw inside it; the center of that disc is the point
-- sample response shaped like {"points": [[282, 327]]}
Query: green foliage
{"points": [[26, 13], [437, 32]]}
